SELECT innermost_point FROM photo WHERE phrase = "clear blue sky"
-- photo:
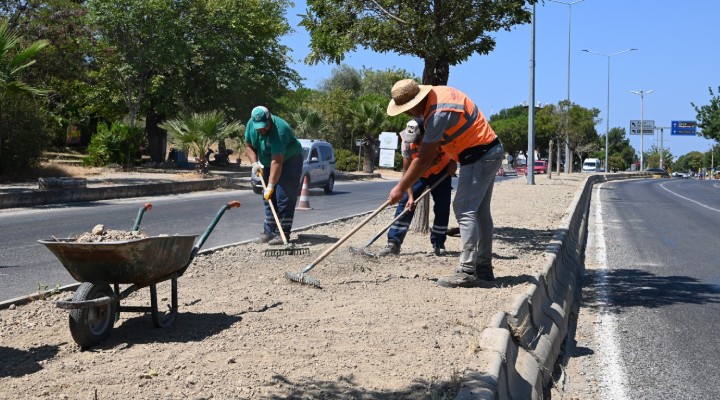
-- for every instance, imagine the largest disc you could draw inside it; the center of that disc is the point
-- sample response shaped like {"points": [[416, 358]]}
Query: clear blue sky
{"points": [[678, 57]]}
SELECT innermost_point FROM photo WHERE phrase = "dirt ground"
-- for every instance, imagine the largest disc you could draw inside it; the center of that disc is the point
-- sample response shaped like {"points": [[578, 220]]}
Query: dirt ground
{"points": [[378, 328]]}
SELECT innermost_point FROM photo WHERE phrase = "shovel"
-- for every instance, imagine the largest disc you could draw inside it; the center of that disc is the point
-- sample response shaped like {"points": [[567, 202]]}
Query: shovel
{"points": [[365, 249]]}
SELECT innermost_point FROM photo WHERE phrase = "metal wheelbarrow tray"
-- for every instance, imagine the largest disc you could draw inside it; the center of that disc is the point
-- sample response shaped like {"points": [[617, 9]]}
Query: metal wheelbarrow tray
{"points": [[138, 261], [95, 306]]}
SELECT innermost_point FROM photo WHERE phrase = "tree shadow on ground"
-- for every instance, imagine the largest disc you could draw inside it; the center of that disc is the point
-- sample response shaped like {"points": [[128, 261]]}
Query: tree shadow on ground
{"points": [[189, 327], [524, 239], [345, 387], [16, 363], [637, 288]]}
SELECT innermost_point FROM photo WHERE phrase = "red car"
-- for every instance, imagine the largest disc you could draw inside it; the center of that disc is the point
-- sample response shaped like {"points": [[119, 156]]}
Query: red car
{"points": [[541, 167]]}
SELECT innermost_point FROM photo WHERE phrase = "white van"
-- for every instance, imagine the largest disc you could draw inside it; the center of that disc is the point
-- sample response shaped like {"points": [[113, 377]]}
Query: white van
{"points": [[591, 165]]}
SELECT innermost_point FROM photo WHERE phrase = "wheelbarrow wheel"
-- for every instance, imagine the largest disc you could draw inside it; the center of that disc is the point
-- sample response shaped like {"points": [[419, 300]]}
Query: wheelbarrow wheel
{"points": [[91, 325]]}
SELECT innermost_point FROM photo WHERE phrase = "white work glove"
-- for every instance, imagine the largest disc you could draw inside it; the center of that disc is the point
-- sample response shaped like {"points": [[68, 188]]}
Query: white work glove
{"points": [[269, 190], [257, 168]]}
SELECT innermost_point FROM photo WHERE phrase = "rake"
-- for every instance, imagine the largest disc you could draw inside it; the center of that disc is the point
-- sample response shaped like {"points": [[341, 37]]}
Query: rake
{"points": [[288, 249], [301, 276], [365, 249]]}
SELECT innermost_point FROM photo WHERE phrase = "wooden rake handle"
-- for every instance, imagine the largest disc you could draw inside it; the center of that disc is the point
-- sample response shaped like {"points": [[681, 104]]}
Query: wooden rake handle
{"points": [[272, 208], [347, 235], [405, 211]]}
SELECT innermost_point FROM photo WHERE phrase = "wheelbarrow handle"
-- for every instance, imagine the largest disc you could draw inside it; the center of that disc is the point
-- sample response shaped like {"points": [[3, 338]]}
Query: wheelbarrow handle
{"points": [[141, 212], [209, 229]]}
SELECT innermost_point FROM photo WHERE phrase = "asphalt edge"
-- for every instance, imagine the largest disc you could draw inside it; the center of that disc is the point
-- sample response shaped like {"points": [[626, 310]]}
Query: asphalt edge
{"points": [[519, 349], [29, 198]]}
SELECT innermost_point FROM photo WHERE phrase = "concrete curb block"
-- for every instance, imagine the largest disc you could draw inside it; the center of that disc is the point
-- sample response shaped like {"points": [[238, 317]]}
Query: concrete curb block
{"points": [[528, 340], [57, 196], [31, 198]]}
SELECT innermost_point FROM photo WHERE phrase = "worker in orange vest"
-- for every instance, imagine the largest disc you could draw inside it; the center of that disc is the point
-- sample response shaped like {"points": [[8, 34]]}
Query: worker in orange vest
{"points": [[456, 125]]}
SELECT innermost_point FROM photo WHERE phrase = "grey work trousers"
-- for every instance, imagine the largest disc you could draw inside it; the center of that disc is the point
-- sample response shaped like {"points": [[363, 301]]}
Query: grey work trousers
{"points": [[472, 209]]}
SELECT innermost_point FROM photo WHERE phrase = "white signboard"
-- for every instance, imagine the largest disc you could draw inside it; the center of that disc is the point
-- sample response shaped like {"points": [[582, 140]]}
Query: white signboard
{"points": [[648, 127], [388, 140], [387, 158]]}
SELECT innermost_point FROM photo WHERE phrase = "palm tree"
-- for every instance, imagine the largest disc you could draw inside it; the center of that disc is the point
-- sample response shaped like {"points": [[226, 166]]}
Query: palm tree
{"points": [[12, 63], [368, 119], [308, 124], [194, 133]]}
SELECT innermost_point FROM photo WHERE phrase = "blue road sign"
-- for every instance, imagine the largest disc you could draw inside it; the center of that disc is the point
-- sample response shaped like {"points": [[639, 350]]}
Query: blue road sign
{"points": [[687, 128]]}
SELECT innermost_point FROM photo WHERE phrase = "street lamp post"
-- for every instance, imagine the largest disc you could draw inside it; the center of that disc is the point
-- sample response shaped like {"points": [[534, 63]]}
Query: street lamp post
{"points": [[607, 116], [568, 160], [642, 94]]}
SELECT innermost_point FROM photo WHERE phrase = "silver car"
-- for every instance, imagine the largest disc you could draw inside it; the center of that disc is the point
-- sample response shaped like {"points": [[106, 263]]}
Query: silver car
{"points": [[318, 166]]}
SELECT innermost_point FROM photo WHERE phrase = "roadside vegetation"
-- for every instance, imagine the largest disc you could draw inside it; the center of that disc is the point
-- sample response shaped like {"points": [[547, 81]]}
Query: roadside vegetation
{"points": [[108, 78]]}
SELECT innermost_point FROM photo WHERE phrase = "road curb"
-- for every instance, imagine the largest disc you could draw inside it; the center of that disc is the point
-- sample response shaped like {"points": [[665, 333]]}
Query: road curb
{"points": [[519, 348], [38, 197]]}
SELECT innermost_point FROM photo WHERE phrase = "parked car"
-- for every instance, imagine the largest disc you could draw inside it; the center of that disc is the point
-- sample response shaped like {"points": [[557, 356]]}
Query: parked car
{"points": [[658, 171], [541, 167], [318, 166]]}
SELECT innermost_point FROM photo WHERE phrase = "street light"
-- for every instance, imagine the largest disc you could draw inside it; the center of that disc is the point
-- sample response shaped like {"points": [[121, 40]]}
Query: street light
{"points": [[642, 94], [607, 116], [568, 161]]}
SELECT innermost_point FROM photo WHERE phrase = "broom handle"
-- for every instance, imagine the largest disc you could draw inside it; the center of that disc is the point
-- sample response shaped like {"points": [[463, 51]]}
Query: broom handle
{"points": [[405, 211], [344, 238], [272, 208]]}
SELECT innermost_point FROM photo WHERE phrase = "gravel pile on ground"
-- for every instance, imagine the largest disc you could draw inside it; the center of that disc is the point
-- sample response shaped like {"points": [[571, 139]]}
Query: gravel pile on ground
{"points": [[379, 328]]}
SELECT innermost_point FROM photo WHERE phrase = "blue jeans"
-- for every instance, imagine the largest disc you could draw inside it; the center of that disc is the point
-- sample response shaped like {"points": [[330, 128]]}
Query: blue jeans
{"points": [[472, 209], [284, 198], [441, 197]]}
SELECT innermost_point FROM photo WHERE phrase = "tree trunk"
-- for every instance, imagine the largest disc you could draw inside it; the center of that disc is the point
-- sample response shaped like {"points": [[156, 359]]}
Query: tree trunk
{"points": [[421, 219], [156, 137], [436, 71], [368, 149]]}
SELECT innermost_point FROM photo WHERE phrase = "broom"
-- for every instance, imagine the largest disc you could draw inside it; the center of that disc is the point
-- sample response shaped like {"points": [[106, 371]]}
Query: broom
{"points": [[288, 249], [304, 279], [365, 249]]}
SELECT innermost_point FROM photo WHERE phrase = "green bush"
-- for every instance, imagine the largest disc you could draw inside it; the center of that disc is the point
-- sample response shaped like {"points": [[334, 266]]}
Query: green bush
{"points": [[26, 133], [119, 144], [345, 160]]}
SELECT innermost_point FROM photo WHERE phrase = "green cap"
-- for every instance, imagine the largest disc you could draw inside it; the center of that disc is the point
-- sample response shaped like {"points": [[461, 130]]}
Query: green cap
{"points": [[260, 116]]}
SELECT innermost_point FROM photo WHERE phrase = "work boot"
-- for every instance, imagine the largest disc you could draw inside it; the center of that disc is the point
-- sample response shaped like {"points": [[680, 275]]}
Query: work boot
{"points": [[391, 248], [440, 251], [276, 241], [459, 279], [484, 273], [263, 238]]}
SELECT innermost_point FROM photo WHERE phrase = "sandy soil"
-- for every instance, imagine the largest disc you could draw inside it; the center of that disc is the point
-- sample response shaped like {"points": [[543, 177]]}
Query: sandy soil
{"points": [[378, 329]]}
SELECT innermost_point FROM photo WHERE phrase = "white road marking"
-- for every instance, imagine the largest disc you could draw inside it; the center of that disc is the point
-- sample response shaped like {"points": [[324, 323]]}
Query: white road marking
{"points": [[689, 199], [613, 379]]}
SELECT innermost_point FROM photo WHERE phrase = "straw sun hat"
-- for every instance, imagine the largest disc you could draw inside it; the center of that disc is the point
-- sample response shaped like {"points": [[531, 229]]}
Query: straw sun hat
{"points": [[406, 94]]}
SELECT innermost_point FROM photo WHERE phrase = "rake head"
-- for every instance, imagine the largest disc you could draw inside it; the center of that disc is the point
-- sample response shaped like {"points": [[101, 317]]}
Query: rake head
{"points": [[288, 251], [303, 278]]}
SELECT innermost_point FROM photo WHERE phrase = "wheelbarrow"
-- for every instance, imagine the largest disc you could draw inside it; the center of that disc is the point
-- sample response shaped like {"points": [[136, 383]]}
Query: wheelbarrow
{"points": [[145, 262]]}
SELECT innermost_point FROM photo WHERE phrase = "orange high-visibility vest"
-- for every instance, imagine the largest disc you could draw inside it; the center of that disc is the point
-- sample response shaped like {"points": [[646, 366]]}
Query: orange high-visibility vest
{"points": [[471, 130], [439, 163]]}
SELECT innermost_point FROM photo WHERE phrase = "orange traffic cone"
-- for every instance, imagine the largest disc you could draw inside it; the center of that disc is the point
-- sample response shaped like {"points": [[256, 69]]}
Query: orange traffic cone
{"points": [[304, 200]]}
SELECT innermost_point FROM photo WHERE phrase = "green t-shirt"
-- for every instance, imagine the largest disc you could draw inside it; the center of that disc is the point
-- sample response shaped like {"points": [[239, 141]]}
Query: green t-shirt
{"points": [[278, 140]]}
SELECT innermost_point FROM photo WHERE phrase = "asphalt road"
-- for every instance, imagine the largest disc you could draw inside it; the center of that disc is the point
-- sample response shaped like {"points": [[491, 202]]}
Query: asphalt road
{"points": [[25, 264], [662, 289]]}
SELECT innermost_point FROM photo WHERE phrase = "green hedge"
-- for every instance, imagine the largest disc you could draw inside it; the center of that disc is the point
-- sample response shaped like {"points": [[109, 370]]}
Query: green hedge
{"points": [[118, 144], [26, 133]]}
